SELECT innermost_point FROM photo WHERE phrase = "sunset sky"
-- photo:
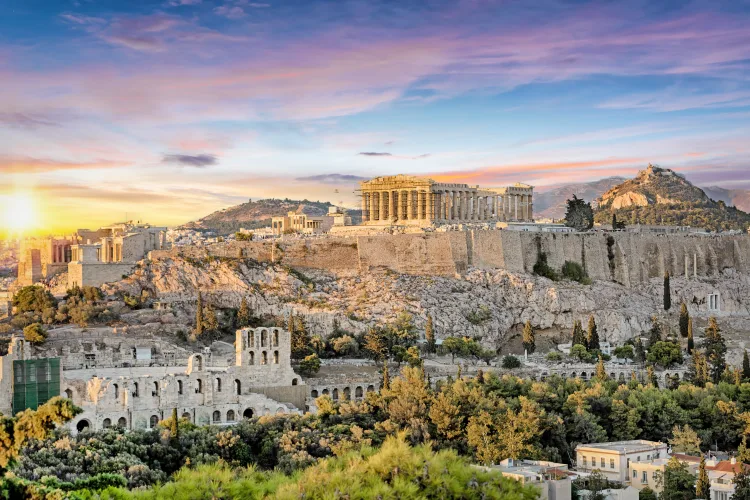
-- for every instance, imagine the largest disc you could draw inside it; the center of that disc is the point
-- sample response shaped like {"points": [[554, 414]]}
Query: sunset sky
{"points": [[166, 111]]}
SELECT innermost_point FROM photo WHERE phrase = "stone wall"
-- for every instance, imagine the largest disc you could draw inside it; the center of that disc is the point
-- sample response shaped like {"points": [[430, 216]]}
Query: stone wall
{"points": [[628, 258], [96, 273]]}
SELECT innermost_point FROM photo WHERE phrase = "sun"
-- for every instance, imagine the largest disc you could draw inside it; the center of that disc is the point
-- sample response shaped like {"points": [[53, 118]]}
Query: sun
{"points": [[19, 212]]}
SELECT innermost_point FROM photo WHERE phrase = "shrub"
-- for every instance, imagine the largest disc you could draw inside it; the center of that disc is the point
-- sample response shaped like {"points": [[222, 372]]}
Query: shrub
{"points": [[510, 362], [309, 366], [554, 356], [575, 272], [35, 334], [541, 268], [480, 316]]}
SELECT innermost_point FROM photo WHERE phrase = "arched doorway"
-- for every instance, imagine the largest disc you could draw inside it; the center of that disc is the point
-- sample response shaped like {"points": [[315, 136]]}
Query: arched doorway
{"points": [[153, 421], [83, 425], [217, 416], [230, 416], [107, 423], [122, 422], [237, 387], [358, 392], [294, 381], [247, 413], [187, 416]]}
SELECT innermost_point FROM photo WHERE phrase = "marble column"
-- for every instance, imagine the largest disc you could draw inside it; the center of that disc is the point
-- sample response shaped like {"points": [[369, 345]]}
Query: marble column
{"points": [[365, 206], [371, 197], [394, 204], [465, 205], [383, 206], [531, 207], [515, 201]]}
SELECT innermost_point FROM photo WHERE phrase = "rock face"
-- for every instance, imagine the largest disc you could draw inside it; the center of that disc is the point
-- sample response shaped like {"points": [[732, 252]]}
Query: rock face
{"points": [[492, 304], [654, 185]]}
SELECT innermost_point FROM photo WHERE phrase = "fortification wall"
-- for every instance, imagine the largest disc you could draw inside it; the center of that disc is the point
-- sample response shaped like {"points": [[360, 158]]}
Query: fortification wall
{"points": [[430, 253], [96, 273]]}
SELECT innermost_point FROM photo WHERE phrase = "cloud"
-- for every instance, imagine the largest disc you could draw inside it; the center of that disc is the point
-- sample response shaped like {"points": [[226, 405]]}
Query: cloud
{"points": [[230, 12], [81, 19], [198, 161], [26, 121], [30, 165], [333, 178], [400, 157], [374, 154], [178, 3]]}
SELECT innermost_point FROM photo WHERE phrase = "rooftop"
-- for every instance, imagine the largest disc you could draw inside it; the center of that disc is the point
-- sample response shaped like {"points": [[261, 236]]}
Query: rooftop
{"points": [[633, 446]]}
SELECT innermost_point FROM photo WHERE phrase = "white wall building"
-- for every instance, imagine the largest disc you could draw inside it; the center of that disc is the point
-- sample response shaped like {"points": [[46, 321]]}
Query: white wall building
{"points": [[614, 459]]}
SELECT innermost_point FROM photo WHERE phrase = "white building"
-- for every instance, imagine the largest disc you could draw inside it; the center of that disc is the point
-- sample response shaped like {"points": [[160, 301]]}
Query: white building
{"points": [[721, 477], [552, 479], [614, 459]]}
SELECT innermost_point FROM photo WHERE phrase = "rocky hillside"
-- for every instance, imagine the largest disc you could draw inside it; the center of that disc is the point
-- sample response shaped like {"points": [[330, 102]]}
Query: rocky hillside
{"points": [[492, 305], [551, 203], [739, 198], [254, 214], [661, 196]]}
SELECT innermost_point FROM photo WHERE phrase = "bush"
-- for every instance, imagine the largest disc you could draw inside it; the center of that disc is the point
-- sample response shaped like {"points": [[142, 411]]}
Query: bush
{"points": [[575, 272], [541, 268], [480, 316], [554, 356], [35, 334], [309, 366], [243, 236], [510, 362]]}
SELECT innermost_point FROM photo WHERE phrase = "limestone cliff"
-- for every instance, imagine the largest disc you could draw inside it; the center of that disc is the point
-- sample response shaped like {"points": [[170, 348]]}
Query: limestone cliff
{"points": [[492, 304]]}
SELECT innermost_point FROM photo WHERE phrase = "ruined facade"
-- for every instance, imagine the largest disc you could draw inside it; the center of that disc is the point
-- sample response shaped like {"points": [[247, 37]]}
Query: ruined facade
{"points": [[260, 382], [409, 200], [293, 222], [41, 258]]}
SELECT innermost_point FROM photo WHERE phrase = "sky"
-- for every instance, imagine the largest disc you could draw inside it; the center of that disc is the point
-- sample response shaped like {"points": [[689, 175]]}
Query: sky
{"points": [[165, 111]]}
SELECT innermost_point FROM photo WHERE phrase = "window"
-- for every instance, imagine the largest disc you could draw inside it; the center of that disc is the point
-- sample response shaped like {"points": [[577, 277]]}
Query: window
{"points": [[135, 389], [653, 475], [611, 463], [155, 392], [107, 423], [713, 302], [179, 387], [276, 357], [638, 459], [122, 422], [116, 390], [218, 385], [276, 339], [154, 420], [230, 416], [602, 462], [644, 477], [199, 387], [583, 461], [237, 387], [263, 358], [635, 473], [217, 416]]}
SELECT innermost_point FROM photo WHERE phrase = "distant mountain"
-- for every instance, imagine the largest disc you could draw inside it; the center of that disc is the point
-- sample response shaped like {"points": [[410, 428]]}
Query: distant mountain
{"points": [[255, 214], [661, 196], [739, 198], [551, 203]]}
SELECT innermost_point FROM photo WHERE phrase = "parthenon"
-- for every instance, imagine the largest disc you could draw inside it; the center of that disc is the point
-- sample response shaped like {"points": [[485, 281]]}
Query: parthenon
{"points": [[409, 200]]}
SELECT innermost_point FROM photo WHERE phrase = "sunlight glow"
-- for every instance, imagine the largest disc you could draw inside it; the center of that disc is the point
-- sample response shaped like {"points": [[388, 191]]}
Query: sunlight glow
{"points": [[19, 211]]}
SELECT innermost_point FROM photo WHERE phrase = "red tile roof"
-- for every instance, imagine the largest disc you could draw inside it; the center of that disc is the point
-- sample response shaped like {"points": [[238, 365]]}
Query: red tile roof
{"points": [[728, 466]]}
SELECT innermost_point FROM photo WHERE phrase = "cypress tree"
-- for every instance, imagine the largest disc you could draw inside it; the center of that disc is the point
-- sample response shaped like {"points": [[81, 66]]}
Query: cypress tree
{"points": [[386, 376], [640, 353], [592, 338], [578, 336], [174, 429], [654, 334], [529, 340], [651, 376], [703, 485], [601, 373], [745, 366], [243, 314], [690, 341], [199, 315], [684, 320], [667, 293], [614, 221], [290, 324], [429, 334], [716, 349]]}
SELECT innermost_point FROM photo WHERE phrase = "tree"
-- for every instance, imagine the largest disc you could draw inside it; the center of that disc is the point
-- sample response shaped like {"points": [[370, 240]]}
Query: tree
{"points": [[667, 293], [690, 341], [454, 346], [741, 482], [309, 366], [684, 320], [640, 352], [654, 334], [677, 481], [651, 376], [376, 344], [601, 373], [579, 352], [174, 426], [685, 440], [429, 335], [703, 485], [33, 298], [579, 214], [578, 336], [665, 354], [344, 345], [716, 349], [386, 377], [30, 425], [646, 494], [199, 315], [511, 362], [698, 372], [616, 225], [745, 366], [592, 337], [624, 352], [210, 321], [529, 342], [300, 338], [35, 334], [243, 314]]}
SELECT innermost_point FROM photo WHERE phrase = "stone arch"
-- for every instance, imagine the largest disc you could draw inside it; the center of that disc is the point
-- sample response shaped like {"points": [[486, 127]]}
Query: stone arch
{"points": [[264, 358], [325, 392], [230, 416], [252, 357], [264, 338], [218, 384], [276, 357], [216, 417], [195, 363], [116, 391], [69, 393], [370, 388], [237, 387], [122, 422], [187, 416], [621, 377], [83, 425], [276, 338], [266, 411], [313, 393], [153, 421], [335, 394], [612, 375], [592, 375], [248, 413], [106, 423], [280, 411], [583, 375], [358, 392], [135, 389], [295, 381], [199, 386], [156, 388], [347, 393]]}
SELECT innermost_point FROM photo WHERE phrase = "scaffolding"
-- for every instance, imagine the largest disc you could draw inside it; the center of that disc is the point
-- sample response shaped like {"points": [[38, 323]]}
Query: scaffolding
{"points": [[35, 381]]}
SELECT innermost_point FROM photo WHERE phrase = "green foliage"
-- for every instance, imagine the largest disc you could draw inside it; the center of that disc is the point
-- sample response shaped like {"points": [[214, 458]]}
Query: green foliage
{"points": [[684, 320], [592, 335], [479, 316], [579, 214], [579, 352], [542, 268], [745, 365], [678, 481], [690, 341], [715, 348], [244, 316], [35, 334], [88, 293], [199, 315], [579, 338], [300, 336], [575, 272], [243, 236], [665, 354], [554, 356], [528, 338], [624, 352], [647, 494], [429, 335], [617, 225], [510, 362], [639, 351], [345, 345], [654, 334], [667, 293], [33, 299], [309, 366]]}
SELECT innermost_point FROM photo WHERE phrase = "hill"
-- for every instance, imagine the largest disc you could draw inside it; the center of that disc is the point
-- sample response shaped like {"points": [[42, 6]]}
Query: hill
{"points": [[661, 196], [255, 214], [739, 198], [551, 203]]}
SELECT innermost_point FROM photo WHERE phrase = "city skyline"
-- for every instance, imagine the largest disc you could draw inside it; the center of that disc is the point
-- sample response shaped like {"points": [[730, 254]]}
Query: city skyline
{"points": [[170, 110]]}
